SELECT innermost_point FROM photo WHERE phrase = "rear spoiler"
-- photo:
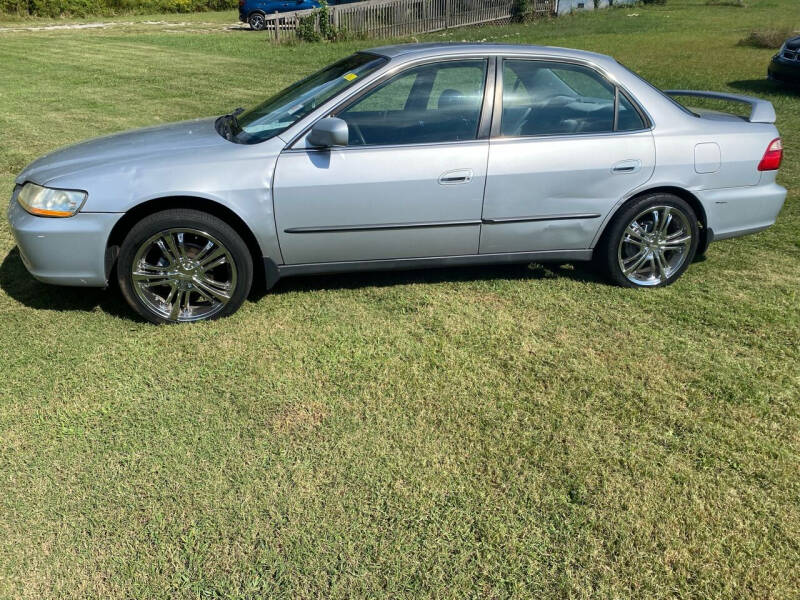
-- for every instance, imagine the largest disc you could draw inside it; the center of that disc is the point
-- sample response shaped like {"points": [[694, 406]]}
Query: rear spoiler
{"points": [[761, 111]]}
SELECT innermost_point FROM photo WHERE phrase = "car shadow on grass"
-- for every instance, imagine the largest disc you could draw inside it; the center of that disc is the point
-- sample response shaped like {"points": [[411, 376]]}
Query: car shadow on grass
{"points": [[22, 287], [366, 279], [765, 86]]}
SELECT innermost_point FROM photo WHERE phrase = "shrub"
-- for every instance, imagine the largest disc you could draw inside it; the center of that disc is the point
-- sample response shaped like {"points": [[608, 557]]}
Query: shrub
{"points": [[520, 9], [307, 28], [766, 38], [56, 8], [14, 7], [654, 1], [317, 26], [739, 3]]}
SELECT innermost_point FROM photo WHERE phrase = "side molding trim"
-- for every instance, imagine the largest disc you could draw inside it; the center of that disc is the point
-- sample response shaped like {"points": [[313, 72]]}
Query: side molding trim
{"points": [[433, 224], [379, 227], [566, 217]]}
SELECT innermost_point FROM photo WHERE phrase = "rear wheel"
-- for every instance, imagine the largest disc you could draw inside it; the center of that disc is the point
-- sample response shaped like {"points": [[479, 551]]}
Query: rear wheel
{"points": [[257, 21], [651, 242], [184, 265]]}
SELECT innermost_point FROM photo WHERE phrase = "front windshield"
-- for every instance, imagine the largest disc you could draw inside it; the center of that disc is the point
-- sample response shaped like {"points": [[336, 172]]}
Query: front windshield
{"points": [[286, 108]]}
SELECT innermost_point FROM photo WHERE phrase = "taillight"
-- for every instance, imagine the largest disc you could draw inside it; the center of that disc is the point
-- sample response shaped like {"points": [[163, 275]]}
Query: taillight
{"points": [[241, 2], [772, 157]]}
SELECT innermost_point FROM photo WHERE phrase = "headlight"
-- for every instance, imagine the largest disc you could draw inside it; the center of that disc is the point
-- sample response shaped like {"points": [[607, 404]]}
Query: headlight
{"points": [[47, 202]]}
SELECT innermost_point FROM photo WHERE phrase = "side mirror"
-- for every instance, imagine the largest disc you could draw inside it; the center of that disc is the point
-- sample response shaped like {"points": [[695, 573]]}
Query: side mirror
{"points": [[329, 132]]}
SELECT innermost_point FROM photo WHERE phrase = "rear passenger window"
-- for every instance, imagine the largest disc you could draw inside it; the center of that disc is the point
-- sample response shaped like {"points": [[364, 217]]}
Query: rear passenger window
{"points": [[432, 103], [629, 118], [552, 98]]}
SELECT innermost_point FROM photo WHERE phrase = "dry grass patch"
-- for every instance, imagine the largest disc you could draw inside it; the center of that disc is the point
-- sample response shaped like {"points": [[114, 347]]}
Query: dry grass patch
{"points": [[301, 417], [767, 38]]}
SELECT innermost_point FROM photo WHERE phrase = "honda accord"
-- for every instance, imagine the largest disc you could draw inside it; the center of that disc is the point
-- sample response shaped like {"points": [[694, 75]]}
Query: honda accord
{"points": [[411, 156]]}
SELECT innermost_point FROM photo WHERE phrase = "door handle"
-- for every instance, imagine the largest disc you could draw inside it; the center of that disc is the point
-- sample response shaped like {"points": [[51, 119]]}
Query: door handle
{"points": [[627, 166], [456, 177]]}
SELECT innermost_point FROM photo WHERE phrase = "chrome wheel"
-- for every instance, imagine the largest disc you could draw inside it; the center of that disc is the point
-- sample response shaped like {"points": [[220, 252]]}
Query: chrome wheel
{"points": [[183, 274], [257, 21], [655, 245]]}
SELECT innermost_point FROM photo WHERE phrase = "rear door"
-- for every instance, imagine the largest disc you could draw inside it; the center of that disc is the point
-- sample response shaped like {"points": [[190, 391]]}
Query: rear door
{"points": [[566, 146], [410, 182]]}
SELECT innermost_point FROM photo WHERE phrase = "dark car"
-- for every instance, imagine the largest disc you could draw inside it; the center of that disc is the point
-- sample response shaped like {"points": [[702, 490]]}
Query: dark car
{"points": [[255, 11], [785, 65]]}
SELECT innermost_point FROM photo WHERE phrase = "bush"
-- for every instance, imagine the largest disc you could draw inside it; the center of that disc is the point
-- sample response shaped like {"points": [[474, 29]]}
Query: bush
{"points": [[80, 8], [14, 7], [307, 28], [317, 26], [654, 1], [520, 9]]}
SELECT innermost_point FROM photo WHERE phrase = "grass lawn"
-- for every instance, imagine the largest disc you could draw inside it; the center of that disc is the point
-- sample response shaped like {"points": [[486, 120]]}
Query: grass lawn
{"points": [[527, 432]]}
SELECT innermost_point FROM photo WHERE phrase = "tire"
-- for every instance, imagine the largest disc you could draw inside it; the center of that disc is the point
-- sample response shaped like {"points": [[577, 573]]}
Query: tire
{"points": [[257, 21], [183, 265], [636, 251]]}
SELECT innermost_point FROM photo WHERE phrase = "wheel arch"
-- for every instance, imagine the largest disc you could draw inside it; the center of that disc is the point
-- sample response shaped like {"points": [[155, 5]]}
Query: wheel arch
{"points": [[706, 235], [140, 211]]}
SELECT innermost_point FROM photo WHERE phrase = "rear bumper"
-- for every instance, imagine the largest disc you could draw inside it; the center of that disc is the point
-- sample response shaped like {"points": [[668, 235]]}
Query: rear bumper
{"points": [[69, 251], [784, 70], [739, 211]]}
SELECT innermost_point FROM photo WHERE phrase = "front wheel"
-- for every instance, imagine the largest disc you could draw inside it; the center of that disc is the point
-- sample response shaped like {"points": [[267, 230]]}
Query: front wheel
{"points": [[651, 242], [257, 21], [184, 265]]}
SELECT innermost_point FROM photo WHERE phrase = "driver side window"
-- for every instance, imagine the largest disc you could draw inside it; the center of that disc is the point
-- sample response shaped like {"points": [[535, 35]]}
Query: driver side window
{"points": [[552, 98], [432, 103]]}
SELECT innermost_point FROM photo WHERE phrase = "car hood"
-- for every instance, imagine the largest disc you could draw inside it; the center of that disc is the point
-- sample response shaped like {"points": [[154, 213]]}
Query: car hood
{"points": [[149, 143]]}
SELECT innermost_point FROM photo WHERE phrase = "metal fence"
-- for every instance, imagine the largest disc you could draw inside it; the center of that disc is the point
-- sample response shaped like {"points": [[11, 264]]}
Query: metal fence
{"points": [[392, 18]]}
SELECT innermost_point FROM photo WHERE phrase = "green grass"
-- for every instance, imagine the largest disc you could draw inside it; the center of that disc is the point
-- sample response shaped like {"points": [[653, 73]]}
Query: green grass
{"points": [[487, 433]]}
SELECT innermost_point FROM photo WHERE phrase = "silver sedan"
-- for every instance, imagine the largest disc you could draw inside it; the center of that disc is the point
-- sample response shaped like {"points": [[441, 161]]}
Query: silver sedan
{"points": [[412, 156]]}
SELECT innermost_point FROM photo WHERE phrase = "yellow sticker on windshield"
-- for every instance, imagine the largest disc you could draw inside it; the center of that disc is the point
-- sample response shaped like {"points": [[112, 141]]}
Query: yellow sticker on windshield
{"points": [[351, 76]]}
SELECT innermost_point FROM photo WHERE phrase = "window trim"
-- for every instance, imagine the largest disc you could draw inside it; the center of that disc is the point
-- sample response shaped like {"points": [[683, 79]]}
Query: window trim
{"points": [[485, 116], [497, 116]]}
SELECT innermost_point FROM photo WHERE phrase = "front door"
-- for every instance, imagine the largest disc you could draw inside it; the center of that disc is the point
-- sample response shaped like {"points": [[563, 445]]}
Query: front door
{"points": [[410, 182], [568, 146]]}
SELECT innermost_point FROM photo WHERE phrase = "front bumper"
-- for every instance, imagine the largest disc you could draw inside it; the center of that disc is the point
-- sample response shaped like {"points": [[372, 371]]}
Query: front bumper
{"points": [[63, 251], [781, 69]]}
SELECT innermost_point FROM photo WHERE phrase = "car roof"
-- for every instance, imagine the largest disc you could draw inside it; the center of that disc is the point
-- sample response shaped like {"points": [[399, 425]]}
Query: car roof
{"points": [[451, 48]]}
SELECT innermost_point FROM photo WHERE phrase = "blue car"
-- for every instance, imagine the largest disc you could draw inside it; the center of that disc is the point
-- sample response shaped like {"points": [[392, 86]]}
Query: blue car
{"points": [[254, 11]]}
